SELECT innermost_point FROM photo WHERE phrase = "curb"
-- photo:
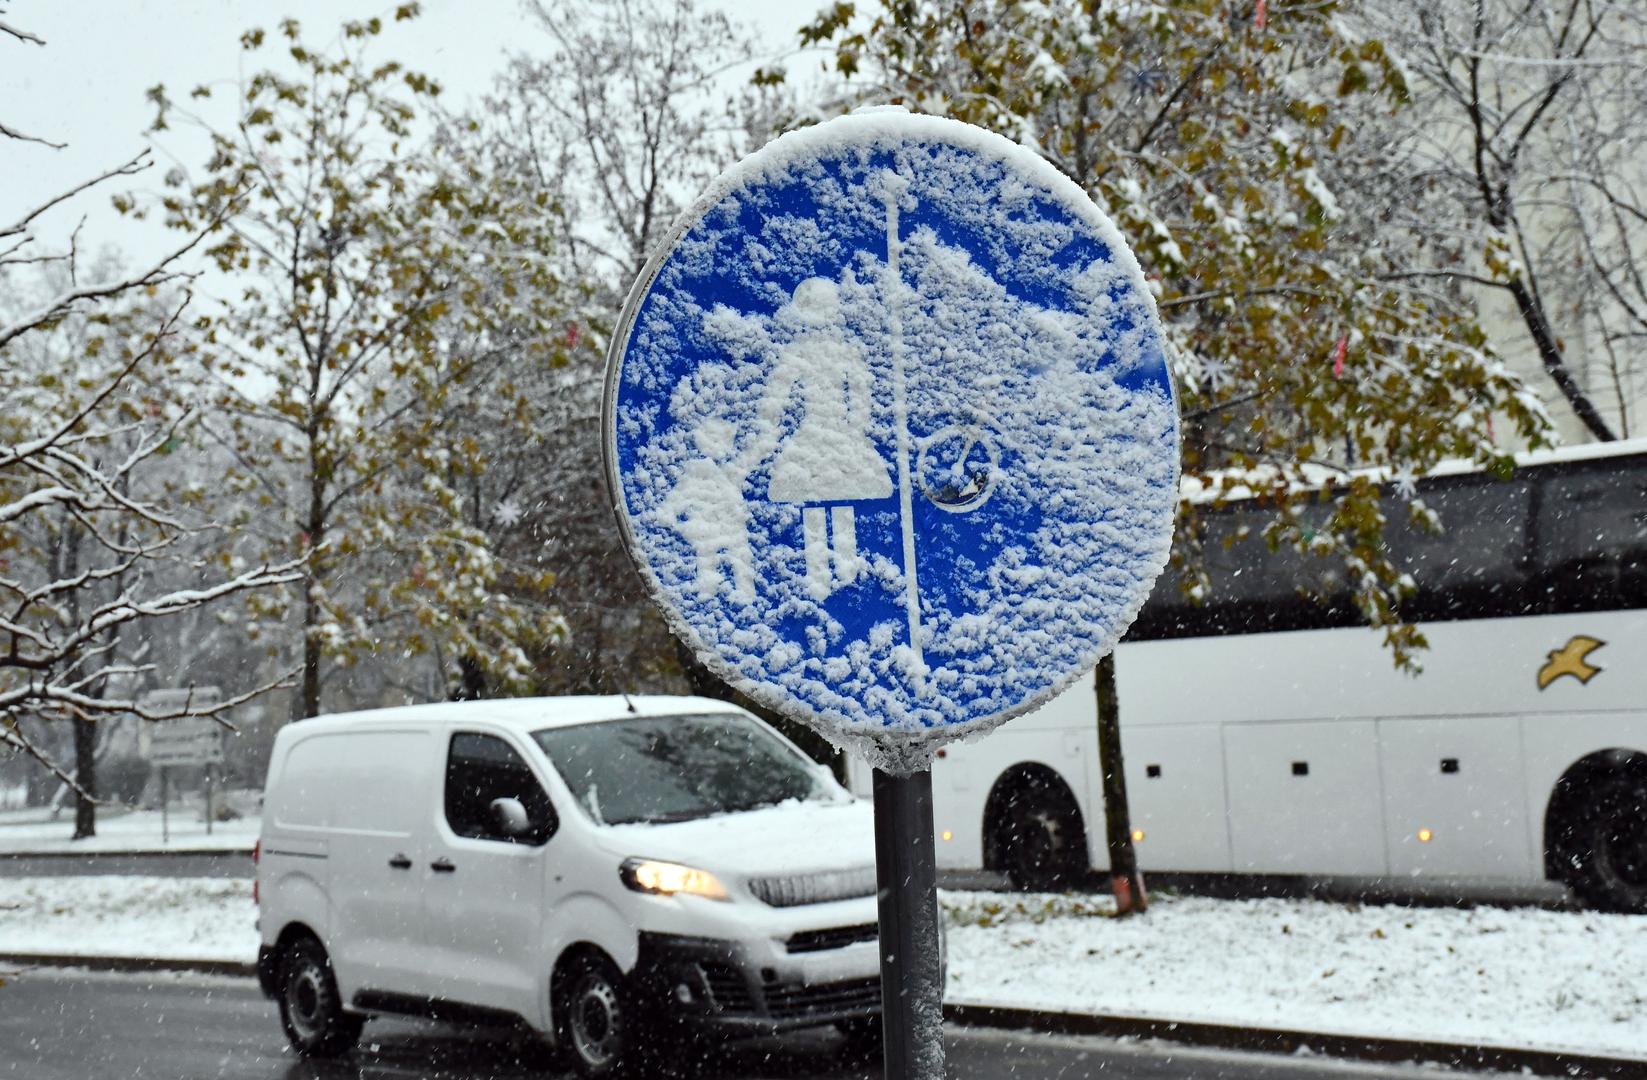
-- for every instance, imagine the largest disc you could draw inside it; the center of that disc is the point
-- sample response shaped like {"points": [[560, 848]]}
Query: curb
{"points": [[135, 853], [128, 963], [1284, 1041], [1190, 1033]]}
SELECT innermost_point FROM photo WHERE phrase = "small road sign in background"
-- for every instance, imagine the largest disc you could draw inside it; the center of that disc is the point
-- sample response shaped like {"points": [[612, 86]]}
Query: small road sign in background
{"points": [[186, 740]]}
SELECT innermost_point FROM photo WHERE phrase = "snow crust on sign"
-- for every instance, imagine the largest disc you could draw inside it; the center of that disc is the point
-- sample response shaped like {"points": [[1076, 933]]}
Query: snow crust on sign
{"points": [[889, 286]]}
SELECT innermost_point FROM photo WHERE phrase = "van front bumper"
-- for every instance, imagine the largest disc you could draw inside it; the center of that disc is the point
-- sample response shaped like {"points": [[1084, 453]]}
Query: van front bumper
{"points": [[760, 987]]}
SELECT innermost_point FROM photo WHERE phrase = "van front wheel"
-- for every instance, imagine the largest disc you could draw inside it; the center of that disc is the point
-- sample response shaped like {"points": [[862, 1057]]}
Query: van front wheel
{"points": [[311, 1009], [597, 1021]]}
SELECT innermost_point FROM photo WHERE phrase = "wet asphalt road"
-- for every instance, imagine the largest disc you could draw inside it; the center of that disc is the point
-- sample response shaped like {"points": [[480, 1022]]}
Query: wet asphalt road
{"points": [[62, 1025]]}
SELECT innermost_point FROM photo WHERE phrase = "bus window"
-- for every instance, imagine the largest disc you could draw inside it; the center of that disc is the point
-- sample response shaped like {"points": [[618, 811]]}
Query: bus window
{"points": [[1592, 539], [1476, 562]]}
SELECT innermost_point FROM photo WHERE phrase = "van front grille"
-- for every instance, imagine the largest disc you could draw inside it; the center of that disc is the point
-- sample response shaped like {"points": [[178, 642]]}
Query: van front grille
{"points": [[800, 1002], [836, 937], [727, 987], [794, 890]]}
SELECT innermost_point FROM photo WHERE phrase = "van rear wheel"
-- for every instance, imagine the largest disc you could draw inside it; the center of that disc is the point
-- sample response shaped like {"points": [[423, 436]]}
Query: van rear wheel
{"points": [[596, 1019], [311, 1009]]}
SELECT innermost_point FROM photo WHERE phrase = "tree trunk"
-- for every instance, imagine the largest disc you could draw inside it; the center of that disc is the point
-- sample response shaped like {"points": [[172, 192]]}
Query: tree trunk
{"points": [[309, 700], [1555, 364], [85, 774], [471, 680], [1124, 876], [314, 537]]}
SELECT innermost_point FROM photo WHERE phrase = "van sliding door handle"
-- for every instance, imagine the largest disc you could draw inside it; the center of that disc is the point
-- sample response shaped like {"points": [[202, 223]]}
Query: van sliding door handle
{"points": [[442, 866], [400, 862]]}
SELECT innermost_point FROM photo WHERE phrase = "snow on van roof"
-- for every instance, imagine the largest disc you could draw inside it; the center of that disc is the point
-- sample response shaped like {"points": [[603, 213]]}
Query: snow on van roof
{"points": [[530, 714]]}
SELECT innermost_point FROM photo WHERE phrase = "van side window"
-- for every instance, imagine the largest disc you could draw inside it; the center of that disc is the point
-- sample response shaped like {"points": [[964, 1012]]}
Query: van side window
{"points": [[480, 768]]}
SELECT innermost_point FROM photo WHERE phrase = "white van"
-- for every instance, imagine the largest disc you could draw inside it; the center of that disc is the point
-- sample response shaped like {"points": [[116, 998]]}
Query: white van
{"points": [[601, 869]]}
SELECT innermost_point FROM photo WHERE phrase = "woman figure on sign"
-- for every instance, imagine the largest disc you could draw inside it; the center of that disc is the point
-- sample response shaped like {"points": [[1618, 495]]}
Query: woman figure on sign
{"points": [[828, 461]]}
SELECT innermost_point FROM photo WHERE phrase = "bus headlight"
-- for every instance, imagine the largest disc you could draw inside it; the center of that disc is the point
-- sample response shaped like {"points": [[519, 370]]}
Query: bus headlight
{"points": [[670, 879]]}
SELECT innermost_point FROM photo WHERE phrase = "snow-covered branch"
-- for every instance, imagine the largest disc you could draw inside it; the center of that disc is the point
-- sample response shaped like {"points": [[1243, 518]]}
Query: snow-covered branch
{"points": [[89, 560]]}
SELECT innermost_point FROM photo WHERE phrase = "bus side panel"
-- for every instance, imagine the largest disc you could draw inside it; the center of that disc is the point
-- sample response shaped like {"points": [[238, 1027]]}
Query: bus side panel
{"points": [[1061, 735], [1175, 790], [1068, 750], [1452, 780], [957, 814], [1304, 798]]}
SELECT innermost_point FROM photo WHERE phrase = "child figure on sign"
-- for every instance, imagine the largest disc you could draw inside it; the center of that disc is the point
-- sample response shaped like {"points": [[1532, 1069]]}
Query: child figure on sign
{"points": [[706, 507]]}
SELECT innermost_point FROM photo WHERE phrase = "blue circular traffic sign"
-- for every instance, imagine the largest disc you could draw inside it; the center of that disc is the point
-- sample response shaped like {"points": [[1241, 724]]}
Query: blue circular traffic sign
{"points": [[890, 431]]}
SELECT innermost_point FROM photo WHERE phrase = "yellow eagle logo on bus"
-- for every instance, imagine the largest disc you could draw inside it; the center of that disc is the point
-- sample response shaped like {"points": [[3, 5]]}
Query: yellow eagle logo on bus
{"points": [[1570, 660]]}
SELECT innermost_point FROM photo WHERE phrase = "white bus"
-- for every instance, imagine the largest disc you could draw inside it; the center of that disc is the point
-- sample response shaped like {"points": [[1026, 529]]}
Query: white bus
{"points": [[1267, 734]]}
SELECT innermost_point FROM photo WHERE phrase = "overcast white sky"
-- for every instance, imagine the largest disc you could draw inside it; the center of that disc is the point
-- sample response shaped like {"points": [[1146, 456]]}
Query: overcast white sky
{"points": [[85, 88]]}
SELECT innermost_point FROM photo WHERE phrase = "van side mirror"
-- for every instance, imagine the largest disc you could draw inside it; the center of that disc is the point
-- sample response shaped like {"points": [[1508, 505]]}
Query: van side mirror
{"points": [[509, 817]]}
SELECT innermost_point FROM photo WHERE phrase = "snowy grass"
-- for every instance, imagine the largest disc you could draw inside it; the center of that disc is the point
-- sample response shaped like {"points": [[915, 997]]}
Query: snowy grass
{"points": [[35, 830], [165, 917], [1518, 977]]}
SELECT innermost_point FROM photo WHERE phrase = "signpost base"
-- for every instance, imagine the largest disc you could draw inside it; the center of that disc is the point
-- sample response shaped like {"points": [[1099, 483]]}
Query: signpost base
{"points": [[906, 874]]}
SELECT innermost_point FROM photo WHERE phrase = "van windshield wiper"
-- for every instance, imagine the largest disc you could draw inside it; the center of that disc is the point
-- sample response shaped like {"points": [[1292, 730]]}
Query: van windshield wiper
{"points": [[676, 816]]}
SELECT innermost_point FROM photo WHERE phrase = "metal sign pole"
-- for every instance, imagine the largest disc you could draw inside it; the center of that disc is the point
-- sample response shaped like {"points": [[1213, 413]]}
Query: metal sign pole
{"points": [[208, 798], [906, 875], [165, 811]]}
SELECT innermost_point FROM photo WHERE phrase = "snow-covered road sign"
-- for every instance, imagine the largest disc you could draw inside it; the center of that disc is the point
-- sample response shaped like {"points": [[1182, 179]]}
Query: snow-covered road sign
{"points": [[187, 740], [890, 431]]}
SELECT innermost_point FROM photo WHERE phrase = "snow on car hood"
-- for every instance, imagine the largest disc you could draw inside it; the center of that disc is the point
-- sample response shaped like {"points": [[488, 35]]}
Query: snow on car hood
{"points": [[789, 838]]}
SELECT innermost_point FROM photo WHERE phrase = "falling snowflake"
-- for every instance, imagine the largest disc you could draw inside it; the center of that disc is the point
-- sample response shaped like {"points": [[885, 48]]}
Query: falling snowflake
{"points": [[508, 513], [1217, 373], [1405, 485], [1147, 81]]}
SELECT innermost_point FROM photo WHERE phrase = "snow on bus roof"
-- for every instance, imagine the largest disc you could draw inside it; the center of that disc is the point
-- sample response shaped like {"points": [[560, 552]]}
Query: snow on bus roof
{"points": [[1195, 490], [530, 714]]}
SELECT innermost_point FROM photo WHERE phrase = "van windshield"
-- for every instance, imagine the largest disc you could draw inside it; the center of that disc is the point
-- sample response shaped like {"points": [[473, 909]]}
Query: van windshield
{"points": [[677, 768]]}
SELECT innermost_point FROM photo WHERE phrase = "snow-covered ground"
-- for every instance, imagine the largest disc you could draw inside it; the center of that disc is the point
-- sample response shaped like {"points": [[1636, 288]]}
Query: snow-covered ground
{"points": [[172, 918], [34, 830], [1519, 977]]}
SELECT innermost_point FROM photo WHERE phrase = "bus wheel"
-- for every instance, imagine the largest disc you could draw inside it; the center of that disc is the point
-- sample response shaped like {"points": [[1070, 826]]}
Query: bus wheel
{"points": [[1040, 842], [1608, 852]]}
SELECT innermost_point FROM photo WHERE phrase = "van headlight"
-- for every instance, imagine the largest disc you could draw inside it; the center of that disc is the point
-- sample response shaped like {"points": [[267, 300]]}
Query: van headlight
{"points": [[670, 879]]}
